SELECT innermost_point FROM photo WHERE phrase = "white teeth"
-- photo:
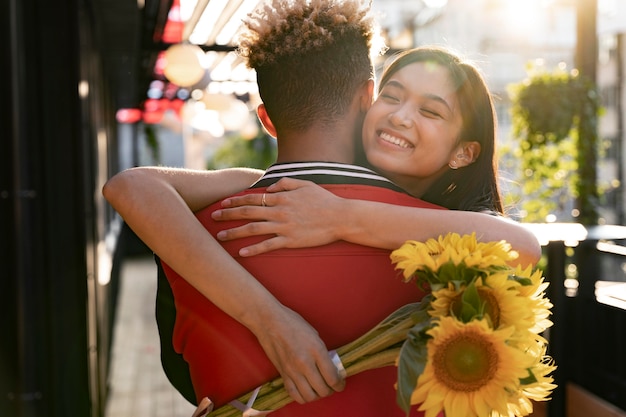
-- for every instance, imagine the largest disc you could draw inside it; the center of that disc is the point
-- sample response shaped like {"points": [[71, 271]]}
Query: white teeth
{"points": [[396, 141]]}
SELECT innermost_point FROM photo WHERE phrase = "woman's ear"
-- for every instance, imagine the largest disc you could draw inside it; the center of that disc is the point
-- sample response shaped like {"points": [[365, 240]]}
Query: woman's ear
{"points": [[265, 120], [467, 154]]}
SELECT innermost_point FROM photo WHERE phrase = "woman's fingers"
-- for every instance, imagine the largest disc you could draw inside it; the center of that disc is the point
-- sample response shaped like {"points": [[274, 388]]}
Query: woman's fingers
{"points": [[299, 214], [315, 380], [252, 200], [270, 198], [245, 212], [264, 246], [288, 184], [204, 407], [247, 230], [301, 358]]}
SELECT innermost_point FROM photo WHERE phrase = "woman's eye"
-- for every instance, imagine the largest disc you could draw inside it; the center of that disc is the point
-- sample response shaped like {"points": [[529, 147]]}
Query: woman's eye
{"points": [[389, 97], [430, 113]]}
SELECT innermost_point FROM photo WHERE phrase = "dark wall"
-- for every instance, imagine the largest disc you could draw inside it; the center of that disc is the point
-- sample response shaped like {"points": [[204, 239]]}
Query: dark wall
{"points": [[53, 313]]}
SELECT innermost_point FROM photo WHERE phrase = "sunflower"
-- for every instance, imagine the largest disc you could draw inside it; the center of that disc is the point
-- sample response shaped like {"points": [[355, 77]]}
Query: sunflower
{"points": [[470, 371], [413, 255], [451, 257], [534, 289], [537, 386], [503, 303]]}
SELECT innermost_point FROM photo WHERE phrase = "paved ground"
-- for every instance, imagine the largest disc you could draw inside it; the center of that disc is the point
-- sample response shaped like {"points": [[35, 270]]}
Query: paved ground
{"points": [[138, 385]]}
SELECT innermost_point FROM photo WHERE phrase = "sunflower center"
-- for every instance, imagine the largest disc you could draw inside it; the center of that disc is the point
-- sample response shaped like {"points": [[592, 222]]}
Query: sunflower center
{"points": [[492, 308], [466, 361]]}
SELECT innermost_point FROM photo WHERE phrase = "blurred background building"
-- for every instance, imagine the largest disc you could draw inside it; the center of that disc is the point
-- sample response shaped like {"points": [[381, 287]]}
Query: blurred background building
{"points": [[92, 87]]}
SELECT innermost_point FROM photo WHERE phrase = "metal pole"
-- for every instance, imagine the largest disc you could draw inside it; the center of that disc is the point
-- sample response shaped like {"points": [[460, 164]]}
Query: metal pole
{"points": [[586, 60], [555, 272], [586, 38]]}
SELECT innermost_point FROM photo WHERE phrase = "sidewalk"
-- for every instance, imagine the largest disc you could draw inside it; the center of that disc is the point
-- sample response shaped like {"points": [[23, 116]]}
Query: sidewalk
{"points": [[138, 385]]}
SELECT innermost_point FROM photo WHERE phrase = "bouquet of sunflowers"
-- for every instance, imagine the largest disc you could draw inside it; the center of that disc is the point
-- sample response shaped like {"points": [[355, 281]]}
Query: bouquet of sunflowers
{"points": [[471, 348], [478, 350]]}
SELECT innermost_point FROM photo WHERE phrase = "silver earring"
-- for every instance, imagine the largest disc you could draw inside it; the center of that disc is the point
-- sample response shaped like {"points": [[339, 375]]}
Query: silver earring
{"points": [[452, 164]]}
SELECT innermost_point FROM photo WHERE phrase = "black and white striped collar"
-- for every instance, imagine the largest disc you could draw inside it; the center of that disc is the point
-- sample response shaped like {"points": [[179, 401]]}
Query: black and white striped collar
{"points": [[325, 173]]}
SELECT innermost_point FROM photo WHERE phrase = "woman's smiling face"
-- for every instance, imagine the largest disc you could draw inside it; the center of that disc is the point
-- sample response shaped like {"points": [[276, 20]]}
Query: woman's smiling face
{"points": [[412, 130]]}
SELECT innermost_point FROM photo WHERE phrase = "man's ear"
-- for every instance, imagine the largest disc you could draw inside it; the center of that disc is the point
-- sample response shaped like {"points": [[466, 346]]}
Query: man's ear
{"points": [[367, 96], [468, 153], [265, 120]]}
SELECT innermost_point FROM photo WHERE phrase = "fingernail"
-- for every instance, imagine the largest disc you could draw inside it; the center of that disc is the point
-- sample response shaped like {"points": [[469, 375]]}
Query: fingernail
{"points": [[204, 408], [226, 202], [221, 235], [216, 214]]}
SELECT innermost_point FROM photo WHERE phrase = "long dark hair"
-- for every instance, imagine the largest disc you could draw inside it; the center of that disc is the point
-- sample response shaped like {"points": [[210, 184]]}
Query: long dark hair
{"points": [[474, 187]]}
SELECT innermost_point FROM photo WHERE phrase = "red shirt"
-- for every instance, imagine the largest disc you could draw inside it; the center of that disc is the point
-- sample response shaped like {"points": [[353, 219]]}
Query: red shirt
{"points": [[341, 289]]}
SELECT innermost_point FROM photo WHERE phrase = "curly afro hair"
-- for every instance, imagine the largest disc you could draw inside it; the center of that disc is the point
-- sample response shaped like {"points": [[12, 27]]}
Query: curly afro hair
{"points": [[310, 56]]}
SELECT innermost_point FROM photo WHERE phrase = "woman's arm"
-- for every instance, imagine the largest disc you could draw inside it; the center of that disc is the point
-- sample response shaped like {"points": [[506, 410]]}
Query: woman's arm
{"points": [[157, 204], [303, 214], [197, 188]]}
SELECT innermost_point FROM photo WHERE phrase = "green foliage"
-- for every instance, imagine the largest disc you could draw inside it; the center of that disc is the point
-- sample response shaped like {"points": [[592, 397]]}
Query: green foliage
{"points": [[259, 152], [547, 178], [555, 118], [544, 108], [413, 355]]}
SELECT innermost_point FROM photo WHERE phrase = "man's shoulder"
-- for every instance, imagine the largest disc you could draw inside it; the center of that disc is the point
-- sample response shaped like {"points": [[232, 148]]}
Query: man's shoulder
{"points": [[380, 194]]}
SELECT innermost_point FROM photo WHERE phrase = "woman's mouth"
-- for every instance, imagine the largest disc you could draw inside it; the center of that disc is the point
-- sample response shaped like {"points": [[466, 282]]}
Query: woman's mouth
{"points": [[386, 137]]}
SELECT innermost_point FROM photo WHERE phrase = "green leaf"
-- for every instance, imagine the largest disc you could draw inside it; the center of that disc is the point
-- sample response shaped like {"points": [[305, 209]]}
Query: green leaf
{"points": [[420, 316], [450, 272], [411, 363], [530, 379], [471, 304], [522, 280]]}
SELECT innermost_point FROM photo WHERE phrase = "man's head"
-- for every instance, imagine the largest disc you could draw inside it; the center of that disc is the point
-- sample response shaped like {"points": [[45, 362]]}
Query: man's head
{"points": [[310, 58]]}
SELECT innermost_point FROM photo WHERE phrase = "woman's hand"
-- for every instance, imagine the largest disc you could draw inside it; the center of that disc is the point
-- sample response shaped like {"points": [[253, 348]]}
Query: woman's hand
{"points": [[300, 356], [298, 213]]}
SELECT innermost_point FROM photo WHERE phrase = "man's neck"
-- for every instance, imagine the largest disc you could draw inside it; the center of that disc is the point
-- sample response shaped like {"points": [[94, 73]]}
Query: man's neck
{"points": [[320, 143]]}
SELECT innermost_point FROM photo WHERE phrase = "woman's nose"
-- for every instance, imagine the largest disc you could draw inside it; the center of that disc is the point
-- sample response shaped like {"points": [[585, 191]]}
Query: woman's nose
{"points": [[401, 117]]}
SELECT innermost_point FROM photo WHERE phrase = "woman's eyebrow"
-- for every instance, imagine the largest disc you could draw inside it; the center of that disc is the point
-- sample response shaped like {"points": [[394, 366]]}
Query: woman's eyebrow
{"points": [[439, 99], [393, 83], [434, 97]]}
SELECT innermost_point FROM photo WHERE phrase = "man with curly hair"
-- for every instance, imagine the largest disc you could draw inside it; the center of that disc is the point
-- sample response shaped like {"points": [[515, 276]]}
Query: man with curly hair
{"points": [[313, 61]]}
